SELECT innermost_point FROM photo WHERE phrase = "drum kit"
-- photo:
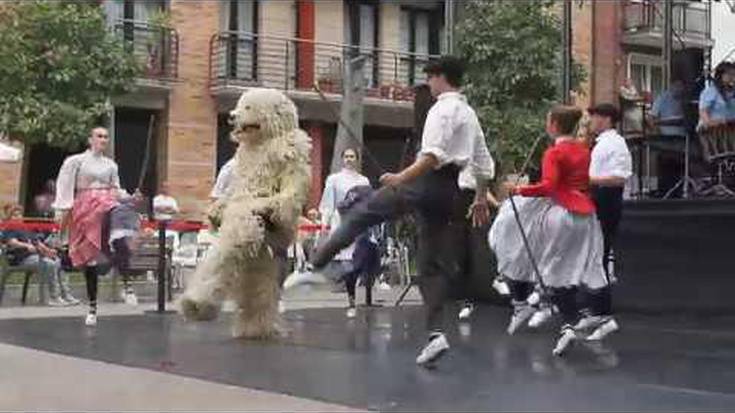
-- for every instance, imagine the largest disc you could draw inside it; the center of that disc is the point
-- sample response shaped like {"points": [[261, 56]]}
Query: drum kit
{"points": [[718, 149]]}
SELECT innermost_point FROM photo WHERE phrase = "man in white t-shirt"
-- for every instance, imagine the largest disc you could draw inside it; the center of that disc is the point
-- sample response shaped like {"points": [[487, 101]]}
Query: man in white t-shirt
{"points": [[610, 167], [165, 206]]}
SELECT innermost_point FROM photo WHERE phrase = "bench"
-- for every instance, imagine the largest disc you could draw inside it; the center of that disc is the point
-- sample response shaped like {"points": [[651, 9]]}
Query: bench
{"points": [[144, 257]]}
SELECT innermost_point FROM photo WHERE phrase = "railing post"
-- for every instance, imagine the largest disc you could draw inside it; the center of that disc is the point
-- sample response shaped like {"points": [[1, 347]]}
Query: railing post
{"points": [[286, 71]]}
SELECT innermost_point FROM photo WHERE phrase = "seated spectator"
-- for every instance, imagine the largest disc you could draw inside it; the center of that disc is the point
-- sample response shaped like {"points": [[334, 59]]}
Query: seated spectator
{"points": [[307, 234], [28, 250]]}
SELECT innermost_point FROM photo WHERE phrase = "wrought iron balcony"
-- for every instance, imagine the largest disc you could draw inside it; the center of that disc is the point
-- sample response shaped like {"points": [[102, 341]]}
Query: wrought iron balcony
{"points": [[250, 59], [643, 22], [155, 47]]}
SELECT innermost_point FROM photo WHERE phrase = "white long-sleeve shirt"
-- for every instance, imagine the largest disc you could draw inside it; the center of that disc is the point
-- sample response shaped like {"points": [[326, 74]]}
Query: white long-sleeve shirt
{"points": [[224, 180], [452, 133], [611, 156], [335, 190], [83, 171]]}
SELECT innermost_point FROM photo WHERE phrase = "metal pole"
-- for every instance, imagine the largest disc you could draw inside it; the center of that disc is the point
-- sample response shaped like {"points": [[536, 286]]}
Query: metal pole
{"points": [[449, 25], [566, 82], [162, 266], [667, 38]]}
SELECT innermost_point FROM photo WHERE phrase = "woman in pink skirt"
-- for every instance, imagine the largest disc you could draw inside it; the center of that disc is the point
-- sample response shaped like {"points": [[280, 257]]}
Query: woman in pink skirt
{"points": [[87, 189]]}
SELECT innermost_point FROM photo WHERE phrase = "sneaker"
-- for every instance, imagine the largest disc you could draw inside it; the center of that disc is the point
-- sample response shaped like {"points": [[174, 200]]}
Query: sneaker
{"points": [[540, 317], [131, 298], [91, 320], [591, 322], [305, 277], [609, 326], [501, 287], [437, 346], [567, 337], [57, 302], [351, 312], [466, 311], [521, 312], [384, 286], [70, 300]]}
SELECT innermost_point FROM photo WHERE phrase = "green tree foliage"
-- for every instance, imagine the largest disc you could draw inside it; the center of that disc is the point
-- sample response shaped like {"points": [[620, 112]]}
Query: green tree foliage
{"points": [[60, 65], [513, 49]]}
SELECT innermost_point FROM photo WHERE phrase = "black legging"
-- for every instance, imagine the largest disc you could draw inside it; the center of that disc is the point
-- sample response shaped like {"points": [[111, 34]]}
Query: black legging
{"points": [[91, 278]]}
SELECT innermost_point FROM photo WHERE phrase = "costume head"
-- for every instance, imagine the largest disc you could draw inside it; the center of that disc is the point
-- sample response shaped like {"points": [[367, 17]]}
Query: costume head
{"points": [[261, 114]]}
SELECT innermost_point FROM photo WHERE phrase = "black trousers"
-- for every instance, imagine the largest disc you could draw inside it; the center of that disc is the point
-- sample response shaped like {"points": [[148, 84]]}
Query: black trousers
{"points": [[609, 202], [430, 197], [471, 251]]}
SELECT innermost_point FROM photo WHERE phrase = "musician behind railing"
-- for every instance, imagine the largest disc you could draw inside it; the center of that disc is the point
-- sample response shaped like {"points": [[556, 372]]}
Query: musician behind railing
{"points": [[717, 101], [667, 120]]}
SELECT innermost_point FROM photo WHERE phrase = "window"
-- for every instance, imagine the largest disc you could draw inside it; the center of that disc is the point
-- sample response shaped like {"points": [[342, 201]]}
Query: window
{"points": [[361, 30], [239, 19], [646, 72], [420, 37]]}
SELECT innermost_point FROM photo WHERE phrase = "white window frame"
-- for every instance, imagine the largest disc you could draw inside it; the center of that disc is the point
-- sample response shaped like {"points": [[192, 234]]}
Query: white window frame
{"points": [[647, 60]]}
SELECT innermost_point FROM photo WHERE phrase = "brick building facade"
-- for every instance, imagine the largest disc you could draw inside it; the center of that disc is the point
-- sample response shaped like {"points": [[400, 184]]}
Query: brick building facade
{"points": [[213, 50]]}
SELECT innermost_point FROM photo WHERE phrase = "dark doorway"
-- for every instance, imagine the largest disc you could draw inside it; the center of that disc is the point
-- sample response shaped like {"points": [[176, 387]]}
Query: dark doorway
{"points": [[44, 162], [131, 135]]}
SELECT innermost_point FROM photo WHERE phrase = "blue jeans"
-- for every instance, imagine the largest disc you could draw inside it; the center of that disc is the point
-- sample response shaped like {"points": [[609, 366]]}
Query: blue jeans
{"points": [[50, 270]]}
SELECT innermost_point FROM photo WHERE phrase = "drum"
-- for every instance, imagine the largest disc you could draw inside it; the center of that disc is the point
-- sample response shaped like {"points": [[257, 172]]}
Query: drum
{"points": [[718, 142]]}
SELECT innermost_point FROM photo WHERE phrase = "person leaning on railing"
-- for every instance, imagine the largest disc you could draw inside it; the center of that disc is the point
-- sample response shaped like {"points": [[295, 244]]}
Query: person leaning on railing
{"points": [[717, 100]]}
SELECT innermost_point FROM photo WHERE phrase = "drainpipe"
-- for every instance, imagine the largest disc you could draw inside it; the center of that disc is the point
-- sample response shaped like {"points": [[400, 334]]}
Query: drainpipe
{"points": [[449, 25], [667, 43], [566, 37]]}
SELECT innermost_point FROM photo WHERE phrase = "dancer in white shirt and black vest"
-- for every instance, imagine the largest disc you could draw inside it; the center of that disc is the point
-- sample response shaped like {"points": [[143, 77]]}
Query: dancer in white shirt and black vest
{"points": [[452, 139], [610, 167]]}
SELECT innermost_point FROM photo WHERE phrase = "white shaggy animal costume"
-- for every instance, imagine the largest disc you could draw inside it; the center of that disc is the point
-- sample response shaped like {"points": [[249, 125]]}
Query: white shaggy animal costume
{"points": [[270, 185]]}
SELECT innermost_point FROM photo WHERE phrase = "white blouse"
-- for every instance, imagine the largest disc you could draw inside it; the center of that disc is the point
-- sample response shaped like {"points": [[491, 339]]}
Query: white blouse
{"points": [[84, 171], [224, 180], [335, 190]]}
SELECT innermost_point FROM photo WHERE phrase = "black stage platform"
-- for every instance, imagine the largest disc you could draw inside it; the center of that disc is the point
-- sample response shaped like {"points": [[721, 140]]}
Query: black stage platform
{"points": [[661, 364], [677, 255]]}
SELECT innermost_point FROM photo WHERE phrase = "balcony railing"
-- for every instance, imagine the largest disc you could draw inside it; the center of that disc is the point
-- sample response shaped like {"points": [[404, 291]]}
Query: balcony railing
{"points": [[690, 18], [249, 59], [155, 47]]}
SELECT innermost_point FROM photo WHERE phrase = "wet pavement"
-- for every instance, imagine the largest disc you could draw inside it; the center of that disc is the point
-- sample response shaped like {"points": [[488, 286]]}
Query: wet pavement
{"points": [[653, 363]]}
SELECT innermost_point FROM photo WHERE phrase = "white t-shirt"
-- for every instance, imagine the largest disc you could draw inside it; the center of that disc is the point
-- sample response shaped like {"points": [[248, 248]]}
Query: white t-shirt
{"points": [[164, 202], [611, 157]]}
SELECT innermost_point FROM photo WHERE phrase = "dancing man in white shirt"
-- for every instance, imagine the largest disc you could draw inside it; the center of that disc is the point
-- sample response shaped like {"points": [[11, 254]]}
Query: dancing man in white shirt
{"points": [[452, 139], [611, 165]]}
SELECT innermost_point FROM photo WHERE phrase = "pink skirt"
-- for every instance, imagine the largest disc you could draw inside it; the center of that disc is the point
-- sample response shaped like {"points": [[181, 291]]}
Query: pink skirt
{"points": [[85, 232]]}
